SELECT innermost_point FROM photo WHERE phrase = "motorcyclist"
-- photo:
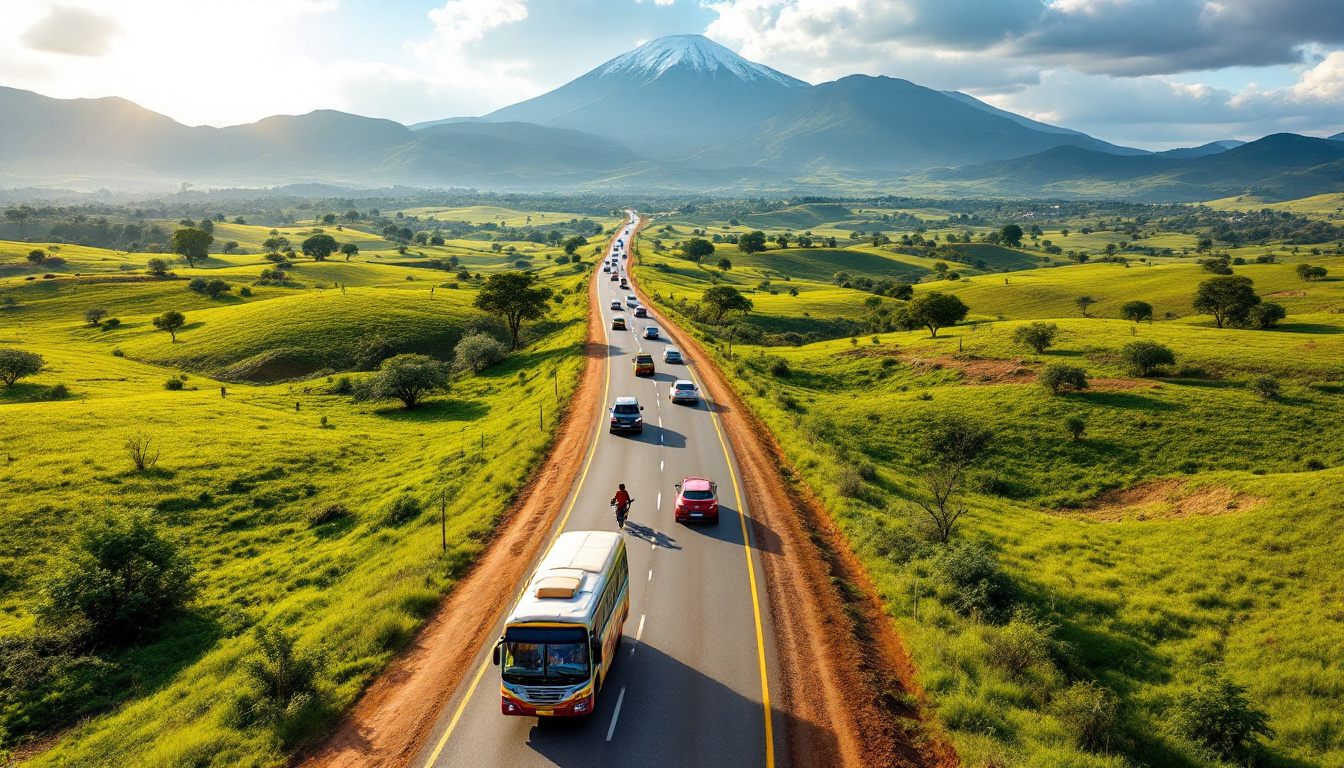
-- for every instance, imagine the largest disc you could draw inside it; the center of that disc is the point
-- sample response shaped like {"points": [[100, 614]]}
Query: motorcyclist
{"points": [[621, 501]]}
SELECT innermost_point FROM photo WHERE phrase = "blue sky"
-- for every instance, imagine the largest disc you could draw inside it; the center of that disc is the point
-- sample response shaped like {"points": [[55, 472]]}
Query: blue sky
{"points": [[1150, 73]]}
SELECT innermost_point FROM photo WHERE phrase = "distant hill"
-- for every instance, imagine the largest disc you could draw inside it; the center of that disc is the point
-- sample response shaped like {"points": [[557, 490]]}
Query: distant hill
{"points": [[1281, 166], [1212, 148], [1338, 137]]}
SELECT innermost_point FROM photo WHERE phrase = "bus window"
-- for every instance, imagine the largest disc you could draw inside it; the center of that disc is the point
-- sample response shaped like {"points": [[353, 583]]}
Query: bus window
{"points": [[545, 656]]}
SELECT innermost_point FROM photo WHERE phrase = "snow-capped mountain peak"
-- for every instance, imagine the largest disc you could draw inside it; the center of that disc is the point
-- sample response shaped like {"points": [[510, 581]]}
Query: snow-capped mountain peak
{"points": [[693, 52]]}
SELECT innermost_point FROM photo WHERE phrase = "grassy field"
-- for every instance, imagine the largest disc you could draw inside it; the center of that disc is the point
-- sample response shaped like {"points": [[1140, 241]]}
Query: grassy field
{"points": [[243, 467], [1191, 528]]}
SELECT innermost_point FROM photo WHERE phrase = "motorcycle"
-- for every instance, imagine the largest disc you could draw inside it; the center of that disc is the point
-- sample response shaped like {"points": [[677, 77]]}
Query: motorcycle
{"points": [[622, 513]]}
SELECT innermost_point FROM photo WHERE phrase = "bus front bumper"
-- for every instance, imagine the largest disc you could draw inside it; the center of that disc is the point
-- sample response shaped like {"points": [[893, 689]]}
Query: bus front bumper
{"points": [[578, 706]]}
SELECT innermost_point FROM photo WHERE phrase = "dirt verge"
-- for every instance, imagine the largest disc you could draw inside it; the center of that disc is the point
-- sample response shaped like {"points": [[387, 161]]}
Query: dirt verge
{"points": [[1169, 499], [396, 713], [846, 681]]}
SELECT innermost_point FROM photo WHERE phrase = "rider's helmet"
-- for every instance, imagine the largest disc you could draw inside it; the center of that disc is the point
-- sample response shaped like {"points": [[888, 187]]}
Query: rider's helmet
{"points": [[621, 486]]}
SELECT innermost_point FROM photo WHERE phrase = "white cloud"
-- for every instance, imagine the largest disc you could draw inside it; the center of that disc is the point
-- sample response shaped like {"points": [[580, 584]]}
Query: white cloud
{"points": [[461, 21], [71, 31]]}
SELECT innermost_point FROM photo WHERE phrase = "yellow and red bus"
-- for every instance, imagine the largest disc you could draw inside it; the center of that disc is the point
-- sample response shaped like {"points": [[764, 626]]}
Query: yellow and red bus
{"points": [[562, 637]]}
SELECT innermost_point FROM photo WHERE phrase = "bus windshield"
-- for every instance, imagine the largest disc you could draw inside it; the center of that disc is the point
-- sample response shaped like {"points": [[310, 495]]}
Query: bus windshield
{"points": [[545, 656]]}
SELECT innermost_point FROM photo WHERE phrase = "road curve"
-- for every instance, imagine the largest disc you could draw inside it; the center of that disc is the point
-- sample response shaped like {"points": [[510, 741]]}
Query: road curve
{"points": [[697, 669]]}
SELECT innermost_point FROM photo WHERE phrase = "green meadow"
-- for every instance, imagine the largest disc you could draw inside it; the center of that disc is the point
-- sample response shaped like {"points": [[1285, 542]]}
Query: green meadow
{"points": [[1191, 529], [276, 484]]}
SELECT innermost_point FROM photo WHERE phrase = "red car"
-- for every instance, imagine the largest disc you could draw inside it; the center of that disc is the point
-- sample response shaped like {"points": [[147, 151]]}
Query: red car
{"points": [[697, 499]]}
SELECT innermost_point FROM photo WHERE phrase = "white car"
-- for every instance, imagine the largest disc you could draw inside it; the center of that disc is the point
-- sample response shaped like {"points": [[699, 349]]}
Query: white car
{"points": [[631, 299], [671, 355], [683, 391]]}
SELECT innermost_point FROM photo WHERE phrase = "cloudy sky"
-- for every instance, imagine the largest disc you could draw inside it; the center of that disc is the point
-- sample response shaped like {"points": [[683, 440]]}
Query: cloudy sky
{"points": [[1150, 73]]}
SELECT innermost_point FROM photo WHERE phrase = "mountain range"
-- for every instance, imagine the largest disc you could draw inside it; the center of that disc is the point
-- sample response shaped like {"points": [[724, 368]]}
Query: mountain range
{"points": [[679, 112]]}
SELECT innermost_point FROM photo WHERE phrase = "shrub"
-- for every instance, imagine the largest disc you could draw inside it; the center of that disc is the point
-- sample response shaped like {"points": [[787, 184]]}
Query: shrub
{"points": [[779, 367], [196, 284], [1218, 717], [118, 353], [1039, 336], [140, 448], [1075, 426], [401, 509], [1265, 386], [58, 392], [1087, 711], [120, 575], [408, 378], [157, 266], [111, 323], [1136, 311], [974, 581], [850, 483], [174, 384], [1060, 377], [1146, 357], [282, 682], [1020, 645], [343, 386], [320, 514], [245, 292], [17, 364], [479, 351]]}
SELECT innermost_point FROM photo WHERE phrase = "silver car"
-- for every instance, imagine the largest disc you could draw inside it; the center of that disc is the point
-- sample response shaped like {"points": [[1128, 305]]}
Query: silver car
{"points": [[671, 355], [683, 391]]}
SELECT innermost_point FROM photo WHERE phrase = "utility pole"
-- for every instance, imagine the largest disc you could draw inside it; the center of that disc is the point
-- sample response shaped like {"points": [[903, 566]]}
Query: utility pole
{"points": [[443, 518]]}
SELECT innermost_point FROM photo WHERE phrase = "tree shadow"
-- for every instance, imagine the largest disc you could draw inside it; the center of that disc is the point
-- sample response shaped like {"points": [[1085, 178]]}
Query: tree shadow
{"points": [[1125, 400], [1319, 328]]}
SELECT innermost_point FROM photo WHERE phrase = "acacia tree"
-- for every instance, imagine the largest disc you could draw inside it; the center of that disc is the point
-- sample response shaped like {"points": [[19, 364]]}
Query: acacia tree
{"points": [[697, 248], [192, 244], [1039, 336], [1137, 311], [952, 444], [349, 249], [751, 242], [170, 321], [725, 299], [515, 297], [408, 378], [1084, 302], [933, 310], [1229, 298], [16, 364], [319, 247]]}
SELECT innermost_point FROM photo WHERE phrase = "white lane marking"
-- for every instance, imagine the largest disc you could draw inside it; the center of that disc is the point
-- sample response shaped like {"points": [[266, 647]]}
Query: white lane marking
{"points": [[660, 466], [659, 503], [615, 715], [640, 632], [650, 574]]}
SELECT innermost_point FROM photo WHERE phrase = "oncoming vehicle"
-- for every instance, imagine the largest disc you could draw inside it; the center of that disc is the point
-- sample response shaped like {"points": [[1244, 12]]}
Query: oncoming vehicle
{"points": [[625, 415], [671, 355], [563, 635], [683, 391], [651, 332], [697, 499], [618, 323], [641, 312], [643, 364]]}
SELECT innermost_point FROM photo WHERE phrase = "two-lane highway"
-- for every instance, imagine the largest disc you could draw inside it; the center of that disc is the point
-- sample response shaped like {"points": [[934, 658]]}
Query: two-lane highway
{"points": [[693, 681]]}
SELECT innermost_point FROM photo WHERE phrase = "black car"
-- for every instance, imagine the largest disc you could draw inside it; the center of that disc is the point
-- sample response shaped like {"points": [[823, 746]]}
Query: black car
{"points": [[625, 415]]}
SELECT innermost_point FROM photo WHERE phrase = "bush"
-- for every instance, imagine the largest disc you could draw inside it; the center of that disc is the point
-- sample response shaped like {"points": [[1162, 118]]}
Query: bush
{"points": [[779, 367], [118, 353], [1061, 377], [401, 509], [975, 582], [1087, 711], [850, 483], [1265, 386], [120, 575], [111, 324], [174, 384], [1146, 357], [479, 351], [245, 292], [282, 682], [320, 514], [1075, 426], [408, 378], [58, 392], [1218, 717], [1020, 645], [343, 386], [1039, 336], [1267, 315]]}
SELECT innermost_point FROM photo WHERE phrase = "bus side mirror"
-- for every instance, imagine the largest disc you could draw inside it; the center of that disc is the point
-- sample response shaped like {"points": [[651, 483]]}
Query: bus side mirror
{"points": [[596, 644], [499, 647]]}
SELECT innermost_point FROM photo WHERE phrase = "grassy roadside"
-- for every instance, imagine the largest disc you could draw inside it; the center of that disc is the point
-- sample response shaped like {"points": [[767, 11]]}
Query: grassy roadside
{"points": [[279, 493], [1221, 561]]}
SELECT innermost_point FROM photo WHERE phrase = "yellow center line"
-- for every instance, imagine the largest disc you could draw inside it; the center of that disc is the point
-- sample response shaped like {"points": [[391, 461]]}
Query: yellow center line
{"points": [[592, 451]]}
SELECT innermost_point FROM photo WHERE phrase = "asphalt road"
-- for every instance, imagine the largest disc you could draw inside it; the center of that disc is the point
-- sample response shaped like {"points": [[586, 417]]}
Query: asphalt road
{"points": [[690, 685]]}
